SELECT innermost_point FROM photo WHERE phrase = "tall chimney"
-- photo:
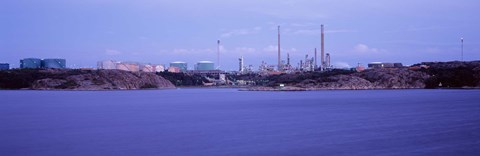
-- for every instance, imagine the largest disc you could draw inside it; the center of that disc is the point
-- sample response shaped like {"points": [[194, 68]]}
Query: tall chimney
{"points": [[323, 49], [240, 64], [279, 59]]}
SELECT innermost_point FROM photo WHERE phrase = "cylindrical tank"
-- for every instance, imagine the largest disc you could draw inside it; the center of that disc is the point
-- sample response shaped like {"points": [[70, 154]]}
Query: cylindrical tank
{"points": [[107, 64], [54, 63], [31, 63], [4, 66], [205, 65], [148, 68], [133, 67], [159, 68], [182, 65]]}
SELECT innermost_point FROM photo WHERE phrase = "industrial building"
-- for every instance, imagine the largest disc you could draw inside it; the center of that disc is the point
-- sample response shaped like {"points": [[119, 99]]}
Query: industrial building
{"points": [[181, 65], [205, 65], [4, 66], [54, 63], [378, 65]]}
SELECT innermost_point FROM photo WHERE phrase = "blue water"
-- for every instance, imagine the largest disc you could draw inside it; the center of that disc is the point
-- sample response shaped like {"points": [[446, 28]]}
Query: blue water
{"points": [[230, 122]]}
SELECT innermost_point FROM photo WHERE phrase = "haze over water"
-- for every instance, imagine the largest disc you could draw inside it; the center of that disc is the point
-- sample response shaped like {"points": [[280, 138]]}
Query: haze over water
{"points": [[231, 122]]}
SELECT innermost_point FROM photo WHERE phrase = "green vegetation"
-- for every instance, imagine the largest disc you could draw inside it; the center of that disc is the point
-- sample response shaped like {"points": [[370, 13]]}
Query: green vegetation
{"points": [[453, 75], [184, 79]]}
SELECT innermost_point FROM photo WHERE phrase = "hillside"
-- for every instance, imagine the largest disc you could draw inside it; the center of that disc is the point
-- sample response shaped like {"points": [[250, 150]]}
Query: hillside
{"points": [[80, 80], [432, 75]]}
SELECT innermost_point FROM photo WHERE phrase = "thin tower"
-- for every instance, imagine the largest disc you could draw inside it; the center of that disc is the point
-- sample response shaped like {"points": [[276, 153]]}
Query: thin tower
{"points": [[279, 61], [327, 64], [315, 67], [323, 49], [288, 59], [462, 48], [240, 69], [218, 54]]}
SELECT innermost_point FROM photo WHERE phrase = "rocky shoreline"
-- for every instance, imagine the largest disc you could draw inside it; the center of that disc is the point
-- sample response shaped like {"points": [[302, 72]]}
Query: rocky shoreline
{"points": [[450, 75]]}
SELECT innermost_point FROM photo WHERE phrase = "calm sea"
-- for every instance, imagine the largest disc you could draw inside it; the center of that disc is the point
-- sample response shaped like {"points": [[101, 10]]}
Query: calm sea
{"points": [[230, 122]]}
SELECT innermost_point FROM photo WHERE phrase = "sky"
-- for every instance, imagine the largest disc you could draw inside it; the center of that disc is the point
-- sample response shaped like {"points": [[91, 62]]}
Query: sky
{"points": [[163, 31]]}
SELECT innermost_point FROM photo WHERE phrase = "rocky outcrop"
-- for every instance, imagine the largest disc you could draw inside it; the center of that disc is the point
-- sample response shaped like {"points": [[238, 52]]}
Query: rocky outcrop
{"points": [[100, 80], [336, 82], [397, 78]]}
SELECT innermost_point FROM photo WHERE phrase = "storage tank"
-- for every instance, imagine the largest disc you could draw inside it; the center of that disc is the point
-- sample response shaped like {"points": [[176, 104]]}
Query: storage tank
{"points": [[31, 63], [181, 65], [4, 66], [54, 63], [107, 64], [159, 68], [148, 68], [205, 65], [133, 67]]}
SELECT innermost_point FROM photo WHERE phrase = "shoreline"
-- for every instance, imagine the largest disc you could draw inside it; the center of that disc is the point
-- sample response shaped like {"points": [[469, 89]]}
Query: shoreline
{"points": [[245, 88]]}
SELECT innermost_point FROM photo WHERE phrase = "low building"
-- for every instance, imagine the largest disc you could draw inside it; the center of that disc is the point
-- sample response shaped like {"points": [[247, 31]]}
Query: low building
{"points": [[4, 66], [378, 65]]}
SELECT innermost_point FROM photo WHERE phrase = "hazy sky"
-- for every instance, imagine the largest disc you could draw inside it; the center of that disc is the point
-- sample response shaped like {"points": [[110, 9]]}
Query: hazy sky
{"points": [[161, 31]]}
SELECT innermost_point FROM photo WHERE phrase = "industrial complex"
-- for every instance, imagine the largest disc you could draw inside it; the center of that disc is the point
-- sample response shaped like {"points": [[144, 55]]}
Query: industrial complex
{"points": [[310, 63]]}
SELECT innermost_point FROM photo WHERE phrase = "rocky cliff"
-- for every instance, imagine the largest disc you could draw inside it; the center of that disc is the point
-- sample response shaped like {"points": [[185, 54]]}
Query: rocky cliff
{"points": [[82, 80]]}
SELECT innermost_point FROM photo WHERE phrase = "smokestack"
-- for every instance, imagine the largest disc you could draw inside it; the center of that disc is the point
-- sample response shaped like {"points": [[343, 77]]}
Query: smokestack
{"points": [[218, 54], [240, 64], [315, 67], [323, 49], [279, 59], [328, 60]]}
